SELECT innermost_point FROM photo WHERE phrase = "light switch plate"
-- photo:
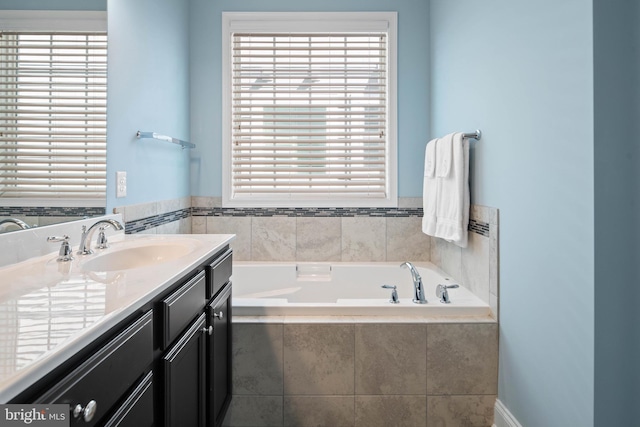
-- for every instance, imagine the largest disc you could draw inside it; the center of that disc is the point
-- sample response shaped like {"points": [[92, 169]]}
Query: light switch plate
{"points": [[121, 184]]}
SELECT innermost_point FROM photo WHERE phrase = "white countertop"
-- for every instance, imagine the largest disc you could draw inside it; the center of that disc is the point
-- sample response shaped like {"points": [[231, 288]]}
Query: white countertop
{"points": [[49, 310]]}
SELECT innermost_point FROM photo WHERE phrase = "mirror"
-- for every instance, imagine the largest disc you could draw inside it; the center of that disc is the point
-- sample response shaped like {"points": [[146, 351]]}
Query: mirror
{"points": [[81, 125]]}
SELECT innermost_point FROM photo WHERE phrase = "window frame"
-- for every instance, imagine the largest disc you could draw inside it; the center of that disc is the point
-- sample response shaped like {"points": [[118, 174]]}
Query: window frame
{"points": [[53, 21], [324, 22]]}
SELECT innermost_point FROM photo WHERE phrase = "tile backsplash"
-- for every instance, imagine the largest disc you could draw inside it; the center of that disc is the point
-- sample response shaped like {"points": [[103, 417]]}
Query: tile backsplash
{"points": [[164, 217], [317, 234]]}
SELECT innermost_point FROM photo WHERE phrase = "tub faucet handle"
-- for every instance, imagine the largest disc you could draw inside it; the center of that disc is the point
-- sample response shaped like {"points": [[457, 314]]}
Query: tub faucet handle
{"points": [[443, 293], [394, 294]]}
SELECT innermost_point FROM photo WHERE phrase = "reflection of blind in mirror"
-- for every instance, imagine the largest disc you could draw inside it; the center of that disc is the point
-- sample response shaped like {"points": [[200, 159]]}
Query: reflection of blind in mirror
{"points": [[53, 90], [38, 321]]}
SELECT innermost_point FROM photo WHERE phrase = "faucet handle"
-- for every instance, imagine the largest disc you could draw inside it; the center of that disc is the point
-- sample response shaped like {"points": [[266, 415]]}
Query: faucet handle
{"points": [[443, 293], [394, 294], [102, 239], [65, 253]]}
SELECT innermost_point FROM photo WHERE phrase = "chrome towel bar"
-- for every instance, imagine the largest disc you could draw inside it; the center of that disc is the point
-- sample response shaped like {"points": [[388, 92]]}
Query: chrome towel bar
{"points": [[473, 135], [153, 135]]}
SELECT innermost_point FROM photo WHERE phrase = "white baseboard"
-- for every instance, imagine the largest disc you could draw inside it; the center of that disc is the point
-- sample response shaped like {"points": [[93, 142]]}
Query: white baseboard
{"points": [[502, 416]]}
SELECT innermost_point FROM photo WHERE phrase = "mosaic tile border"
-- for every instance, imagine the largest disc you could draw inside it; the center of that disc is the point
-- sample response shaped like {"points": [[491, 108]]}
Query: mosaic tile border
{"points": [[475, 226], [132, 227], [143, 224], [310, 212], [479, 227], [20, 211]]}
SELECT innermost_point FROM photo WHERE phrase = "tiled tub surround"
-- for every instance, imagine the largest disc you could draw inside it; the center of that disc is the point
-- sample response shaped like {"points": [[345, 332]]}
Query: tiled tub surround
{"points": [[318, 234], [326, 235], [476, 266], [363, 372], [360, 370]]}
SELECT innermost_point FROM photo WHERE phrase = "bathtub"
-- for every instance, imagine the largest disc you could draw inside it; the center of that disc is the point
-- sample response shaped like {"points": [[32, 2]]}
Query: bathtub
{"points": [[348, 289]]}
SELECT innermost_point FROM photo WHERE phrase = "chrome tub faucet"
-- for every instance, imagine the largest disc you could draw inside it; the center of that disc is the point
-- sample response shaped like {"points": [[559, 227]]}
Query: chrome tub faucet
{"points": [[418, 287], [87, 234]]}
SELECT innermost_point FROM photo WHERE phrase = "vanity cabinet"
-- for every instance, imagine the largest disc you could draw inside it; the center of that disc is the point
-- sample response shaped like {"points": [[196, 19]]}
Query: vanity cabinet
{"points": [[197, 365], [168, 365]]}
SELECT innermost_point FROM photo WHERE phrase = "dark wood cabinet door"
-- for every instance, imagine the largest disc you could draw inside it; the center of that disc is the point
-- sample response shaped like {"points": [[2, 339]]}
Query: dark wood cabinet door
{"points": [[219, 355], [137, 410], [96, 386], [185, 375]]}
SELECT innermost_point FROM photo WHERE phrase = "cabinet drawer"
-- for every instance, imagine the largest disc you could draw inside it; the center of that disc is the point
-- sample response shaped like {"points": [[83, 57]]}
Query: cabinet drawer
{"points": [[181, 307], [104, 379], [137, 410], [218, 273]]}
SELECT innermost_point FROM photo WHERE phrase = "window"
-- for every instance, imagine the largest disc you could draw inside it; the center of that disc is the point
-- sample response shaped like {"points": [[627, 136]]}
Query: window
{"points": [[309, 109], [53, 86]]}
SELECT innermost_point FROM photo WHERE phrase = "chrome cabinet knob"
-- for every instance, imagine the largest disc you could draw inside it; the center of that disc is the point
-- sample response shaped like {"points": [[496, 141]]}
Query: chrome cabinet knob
{"points": [[219, 315], [208, 330], [87, 412]]}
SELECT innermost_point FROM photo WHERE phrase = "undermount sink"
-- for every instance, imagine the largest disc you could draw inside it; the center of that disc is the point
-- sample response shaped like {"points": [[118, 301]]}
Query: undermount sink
{"points": [[127, 258]]}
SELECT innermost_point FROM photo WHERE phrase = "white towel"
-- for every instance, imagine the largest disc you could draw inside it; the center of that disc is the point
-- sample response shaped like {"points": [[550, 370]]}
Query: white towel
{"points": [[444, 152], [446, 196], [430, 159], [429, 189]]}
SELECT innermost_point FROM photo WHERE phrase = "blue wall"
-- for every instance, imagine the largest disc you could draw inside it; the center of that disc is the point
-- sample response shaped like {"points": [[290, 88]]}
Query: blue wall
{"points": [[53, 5], [206, 95], [149, 91], [523, 73], [636, 337], [617, 381]]}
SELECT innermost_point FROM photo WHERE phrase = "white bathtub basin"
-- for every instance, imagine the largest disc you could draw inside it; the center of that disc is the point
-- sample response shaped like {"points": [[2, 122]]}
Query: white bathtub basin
{"points": [[351, 289]]}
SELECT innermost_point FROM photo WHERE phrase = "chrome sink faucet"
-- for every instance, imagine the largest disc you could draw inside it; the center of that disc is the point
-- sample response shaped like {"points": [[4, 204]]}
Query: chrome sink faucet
{"points": [[418, 287], [87, 234]]}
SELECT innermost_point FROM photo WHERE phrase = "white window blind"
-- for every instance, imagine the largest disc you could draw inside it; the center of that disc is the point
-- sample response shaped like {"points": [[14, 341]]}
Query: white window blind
{"points": [[309, 115], [53, 115]]}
